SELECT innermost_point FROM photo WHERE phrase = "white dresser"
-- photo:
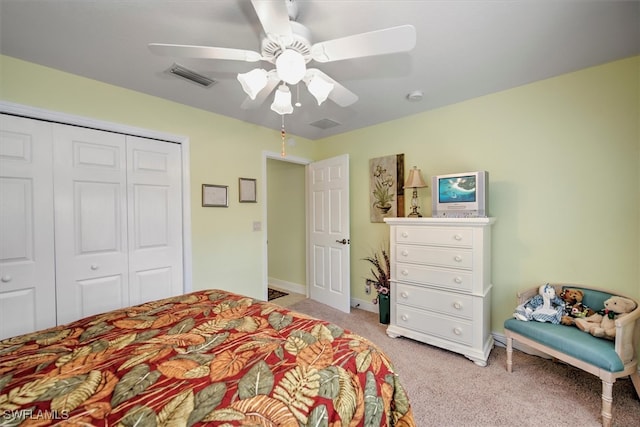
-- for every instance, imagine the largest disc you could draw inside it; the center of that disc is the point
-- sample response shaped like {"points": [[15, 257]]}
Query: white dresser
{"points": [[441, 283]]}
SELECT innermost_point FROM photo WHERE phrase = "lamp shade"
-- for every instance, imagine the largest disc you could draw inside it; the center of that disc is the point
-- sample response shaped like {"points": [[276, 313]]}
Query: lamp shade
{"points": [[319, 88], [291, 66], [282, 101], [253, 81], [415, 179]]}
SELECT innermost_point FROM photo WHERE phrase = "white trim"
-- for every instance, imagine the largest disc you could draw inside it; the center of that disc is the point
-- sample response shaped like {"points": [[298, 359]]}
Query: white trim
{"points": [[64, 118], [265, 249], [500, 340], [364, 304], [296, 288]]}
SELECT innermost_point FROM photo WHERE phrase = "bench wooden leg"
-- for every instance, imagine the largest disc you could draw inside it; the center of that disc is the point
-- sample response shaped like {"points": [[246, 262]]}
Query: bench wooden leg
{"points": [[607, 400], [509, 354]]}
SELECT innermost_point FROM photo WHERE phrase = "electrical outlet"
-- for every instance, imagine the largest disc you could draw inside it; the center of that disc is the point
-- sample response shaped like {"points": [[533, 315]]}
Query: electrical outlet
{"points": [[367, 289]]}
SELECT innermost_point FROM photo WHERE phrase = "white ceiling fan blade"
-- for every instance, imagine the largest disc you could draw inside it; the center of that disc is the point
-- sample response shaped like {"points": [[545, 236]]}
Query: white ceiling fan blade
{"points": [[204, 52], [379, 42], [272, 82], [274, 17], [340, 94]]}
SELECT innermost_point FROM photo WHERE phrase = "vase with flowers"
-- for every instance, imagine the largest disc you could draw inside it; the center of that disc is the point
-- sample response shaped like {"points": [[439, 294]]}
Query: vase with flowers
{"points": [[381, 272]]}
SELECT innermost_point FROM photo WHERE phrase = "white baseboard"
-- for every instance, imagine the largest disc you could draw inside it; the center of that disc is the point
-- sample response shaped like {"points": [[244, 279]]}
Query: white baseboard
{"points": [[501, 341], [364, 304], [296, 288]]}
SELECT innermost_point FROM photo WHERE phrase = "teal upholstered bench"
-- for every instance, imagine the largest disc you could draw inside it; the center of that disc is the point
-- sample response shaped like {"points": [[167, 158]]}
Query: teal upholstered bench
{"points": [[609, 360]]}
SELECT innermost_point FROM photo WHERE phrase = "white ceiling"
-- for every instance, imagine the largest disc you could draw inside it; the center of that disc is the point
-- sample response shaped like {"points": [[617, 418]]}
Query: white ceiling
{"points": [[464, 49]]}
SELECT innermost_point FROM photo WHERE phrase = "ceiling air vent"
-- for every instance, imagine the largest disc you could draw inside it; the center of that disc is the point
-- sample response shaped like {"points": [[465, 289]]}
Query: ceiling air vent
{"points": [[325, 123], [192, 76]]}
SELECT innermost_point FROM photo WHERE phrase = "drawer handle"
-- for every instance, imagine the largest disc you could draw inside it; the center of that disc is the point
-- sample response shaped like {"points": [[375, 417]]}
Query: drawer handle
{"points": [[404, 294], [405, 272], [405, 234], [94, 267], [6, 279], [458, 258], [457, 237], [457, 331], [404, 317], [458, 280], [405, 253], [457, 305]]}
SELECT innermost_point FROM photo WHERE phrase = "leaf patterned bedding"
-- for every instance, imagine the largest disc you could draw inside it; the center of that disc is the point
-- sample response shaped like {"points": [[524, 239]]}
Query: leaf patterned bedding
{"points": [[206, 358]]}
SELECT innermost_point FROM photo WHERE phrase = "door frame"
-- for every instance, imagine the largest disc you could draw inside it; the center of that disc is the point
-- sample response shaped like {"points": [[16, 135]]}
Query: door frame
{"points": [[70, 119], [265, 248]]}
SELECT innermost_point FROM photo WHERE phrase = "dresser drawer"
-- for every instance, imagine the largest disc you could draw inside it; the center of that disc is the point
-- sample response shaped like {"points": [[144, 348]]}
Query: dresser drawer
{"points": [[461, 280], [442, 236], [432, 255], [434, 300], [435, 324]]}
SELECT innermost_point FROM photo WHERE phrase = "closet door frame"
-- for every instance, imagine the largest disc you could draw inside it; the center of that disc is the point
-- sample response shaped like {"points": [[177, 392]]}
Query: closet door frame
{"points": [[69, 119]]}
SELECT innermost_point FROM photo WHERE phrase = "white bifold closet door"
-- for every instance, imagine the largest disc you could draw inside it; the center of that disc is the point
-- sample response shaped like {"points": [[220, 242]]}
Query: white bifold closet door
{"points": [[27, 275], [118, 221]]}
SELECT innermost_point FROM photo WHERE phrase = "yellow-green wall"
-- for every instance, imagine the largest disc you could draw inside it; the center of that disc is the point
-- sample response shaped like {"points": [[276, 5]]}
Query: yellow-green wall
{"points": [[563, 158], [227, 253], [560, 153], [286, 225]]}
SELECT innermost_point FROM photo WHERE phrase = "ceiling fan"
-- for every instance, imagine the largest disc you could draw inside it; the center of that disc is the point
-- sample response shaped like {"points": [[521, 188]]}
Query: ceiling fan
{"points": [[287, 45]]}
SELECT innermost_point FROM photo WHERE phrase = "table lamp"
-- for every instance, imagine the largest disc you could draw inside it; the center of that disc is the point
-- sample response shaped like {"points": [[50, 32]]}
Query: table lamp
{"points": [[415, 181]]}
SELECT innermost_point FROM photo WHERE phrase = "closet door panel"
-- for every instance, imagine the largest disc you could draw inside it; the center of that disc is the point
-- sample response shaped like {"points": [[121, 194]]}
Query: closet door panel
{"points": [[155, 219], [27, 286], [90, 222]]}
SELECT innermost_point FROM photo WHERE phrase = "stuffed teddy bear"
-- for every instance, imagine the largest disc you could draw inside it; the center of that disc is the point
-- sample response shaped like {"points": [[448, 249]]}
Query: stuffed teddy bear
{"points": [[544, 307], [573, 306], [602, 324]]}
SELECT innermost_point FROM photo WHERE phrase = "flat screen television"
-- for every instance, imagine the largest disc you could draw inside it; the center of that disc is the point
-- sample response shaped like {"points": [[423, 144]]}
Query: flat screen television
{"points": [[460, 195]]}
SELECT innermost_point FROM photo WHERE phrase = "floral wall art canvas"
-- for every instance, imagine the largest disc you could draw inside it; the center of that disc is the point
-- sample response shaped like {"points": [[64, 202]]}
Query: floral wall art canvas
{"points": [[386, 183]]}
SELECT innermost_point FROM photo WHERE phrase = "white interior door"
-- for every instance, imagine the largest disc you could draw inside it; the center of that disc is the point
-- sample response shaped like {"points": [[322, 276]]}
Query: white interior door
{"points": [[90, 222], [27, 282], [155, 219], [329, 237]]}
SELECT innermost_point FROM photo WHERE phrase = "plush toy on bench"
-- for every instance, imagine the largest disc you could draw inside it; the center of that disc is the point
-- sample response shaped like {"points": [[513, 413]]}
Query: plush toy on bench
{"points": [[545, 307], [602, 325], [573, 307]]}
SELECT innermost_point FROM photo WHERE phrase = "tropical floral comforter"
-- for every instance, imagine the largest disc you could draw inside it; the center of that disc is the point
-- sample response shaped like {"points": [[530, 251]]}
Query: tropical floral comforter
{"points": [[209, 357]]}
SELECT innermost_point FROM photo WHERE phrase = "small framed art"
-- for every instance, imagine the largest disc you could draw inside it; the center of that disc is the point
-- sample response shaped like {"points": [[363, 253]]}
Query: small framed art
{"points": [[247, 190], [215, 195]]}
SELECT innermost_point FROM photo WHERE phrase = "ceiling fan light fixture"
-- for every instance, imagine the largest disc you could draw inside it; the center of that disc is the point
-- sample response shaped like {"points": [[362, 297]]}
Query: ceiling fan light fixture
{"points": [[290, 66], [319, 88], [253, 81], [282, 101]]}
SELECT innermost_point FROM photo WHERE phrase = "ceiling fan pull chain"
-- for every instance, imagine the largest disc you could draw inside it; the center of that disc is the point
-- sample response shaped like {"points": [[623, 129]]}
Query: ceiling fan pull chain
{"points": [[283, 153]]}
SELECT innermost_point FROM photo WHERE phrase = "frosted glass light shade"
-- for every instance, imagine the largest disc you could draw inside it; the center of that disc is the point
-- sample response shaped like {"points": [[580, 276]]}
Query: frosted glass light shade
{"points": [[415, 179], [319, 88], [282, 101], [291, 66], [253, 81]]}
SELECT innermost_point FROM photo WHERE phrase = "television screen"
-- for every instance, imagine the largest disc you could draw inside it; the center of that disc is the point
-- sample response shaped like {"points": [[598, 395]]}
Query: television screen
{"points": [[458, 189]]}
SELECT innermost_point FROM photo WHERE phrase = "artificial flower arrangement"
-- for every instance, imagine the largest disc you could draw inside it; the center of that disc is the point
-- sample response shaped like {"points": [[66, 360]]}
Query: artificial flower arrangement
{"points": [[381, 272]]}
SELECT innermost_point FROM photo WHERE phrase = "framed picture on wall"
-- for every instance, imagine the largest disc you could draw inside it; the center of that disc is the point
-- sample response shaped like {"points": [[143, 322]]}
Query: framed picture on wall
{"points": [[215, 195], [247, 190], [386, 189]]}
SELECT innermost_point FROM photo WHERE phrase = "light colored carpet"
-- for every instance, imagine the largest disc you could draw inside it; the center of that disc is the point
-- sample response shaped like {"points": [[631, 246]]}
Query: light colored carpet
{"points": [[447, 389]]}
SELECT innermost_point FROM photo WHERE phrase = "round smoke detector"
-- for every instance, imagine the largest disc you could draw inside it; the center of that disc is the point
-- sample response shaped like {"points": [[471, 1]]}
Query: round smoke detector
{"points": [[415, 96]]}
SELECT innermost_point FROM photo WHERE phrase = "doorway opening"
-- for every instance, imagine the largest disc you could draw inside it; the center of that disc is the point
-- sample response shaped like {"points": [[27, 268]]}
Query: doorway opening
{"points": [[285, 227]]}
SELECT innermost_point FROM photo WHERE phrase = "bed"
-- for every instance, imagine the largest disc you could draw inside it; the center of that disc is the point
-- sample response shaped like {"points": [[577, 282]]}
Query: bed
{"points": [[205, 358]]}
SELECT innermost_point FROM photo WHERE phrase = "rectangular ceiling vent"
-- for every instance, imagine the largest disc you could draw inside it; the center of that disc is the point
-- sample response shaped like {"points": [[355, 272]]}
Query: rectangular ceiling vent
{"points": [[192, 76], [325, 123]]}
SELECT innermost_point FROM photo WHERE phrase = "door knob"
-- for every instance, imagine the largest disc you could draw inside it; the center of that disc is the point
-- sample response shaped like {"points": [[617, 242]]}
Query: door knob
{"points": [[343, 241]]}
